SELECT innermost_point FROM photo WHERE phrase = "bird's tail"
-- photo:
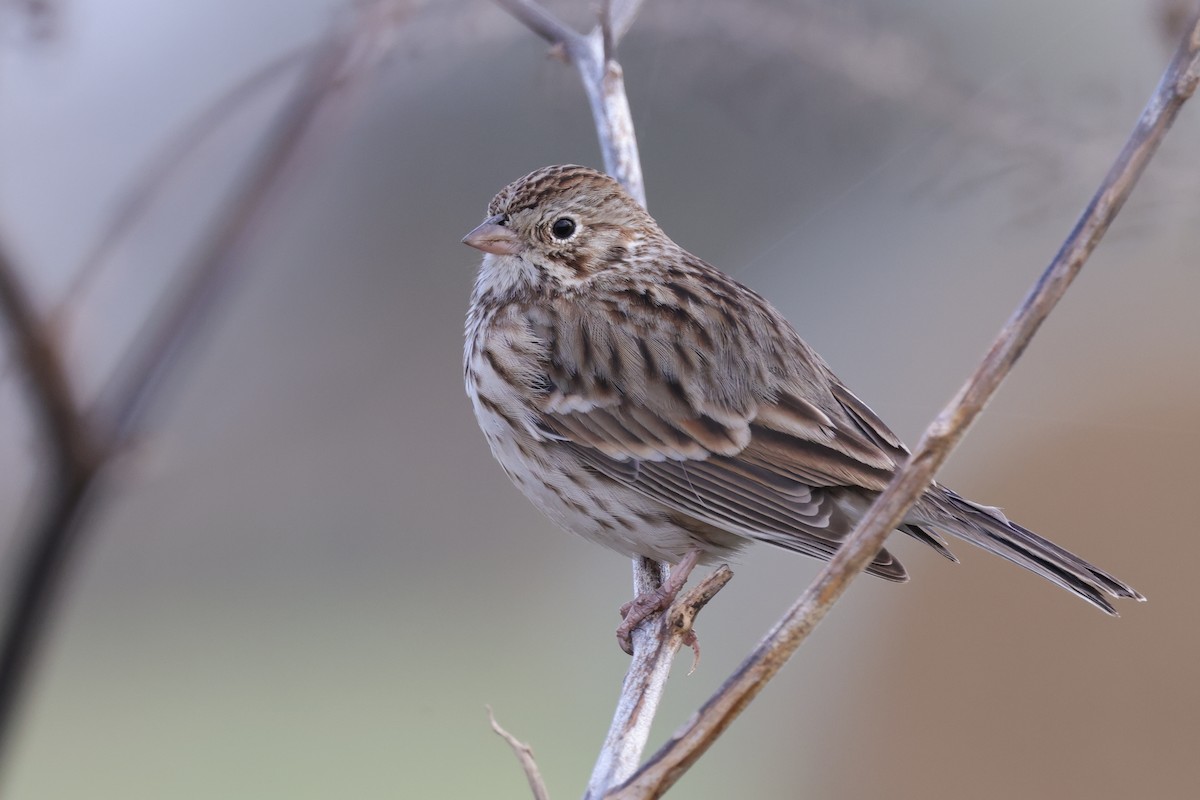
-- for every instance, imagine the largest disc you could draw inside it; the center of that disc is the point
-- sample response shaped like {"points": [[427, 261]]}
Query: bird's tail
{"points": [[988, 528]]}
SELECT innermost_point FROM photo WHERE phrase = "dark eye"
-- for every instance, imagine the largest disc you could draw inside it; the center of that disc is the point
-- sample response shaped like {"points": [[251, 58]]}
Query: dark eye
{"points": [[563, 227]]}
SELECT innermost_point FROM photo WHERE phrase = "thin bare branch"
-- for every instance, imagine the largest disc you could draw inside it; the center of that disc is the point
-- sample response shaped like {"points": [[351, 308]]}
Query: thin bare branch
{"points": [[604, 83], [621, 15], [686, 746], [214, 262], [539, 20], [655, 644], [524, 754], [162, 168]]}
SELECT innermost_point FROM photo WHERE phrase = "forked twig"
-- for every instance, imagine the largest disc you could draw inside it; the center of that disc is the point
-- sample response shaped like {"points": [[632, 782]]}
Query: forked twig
{"points": [[687, 745], [76, 458], [603, 80]]}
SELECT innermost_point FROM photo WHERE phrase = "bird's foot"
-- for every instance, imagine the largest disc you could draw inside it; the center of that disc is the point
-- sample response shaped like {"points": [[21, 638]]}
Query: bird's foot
{"points": [[647, 604]]}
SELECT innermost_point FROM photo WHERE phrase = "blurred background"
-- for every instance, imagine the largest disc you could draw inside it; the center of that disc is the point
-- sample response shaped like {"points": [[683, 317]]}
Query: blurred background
{"points": [[308, 577]]}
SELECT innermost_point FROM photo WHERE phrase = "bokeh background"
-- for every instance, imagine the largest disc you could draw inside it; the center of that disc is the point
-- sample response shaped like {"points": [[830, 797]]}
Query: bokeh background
{"points": [[309, 578]]}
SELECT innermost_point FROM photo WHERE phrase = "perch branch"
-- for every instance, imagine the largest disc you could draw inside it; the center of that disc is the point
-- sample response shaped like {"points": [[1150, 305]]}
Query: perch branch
{"points": [[657, 640], [687, 745], [524, 754], [655, 645]]}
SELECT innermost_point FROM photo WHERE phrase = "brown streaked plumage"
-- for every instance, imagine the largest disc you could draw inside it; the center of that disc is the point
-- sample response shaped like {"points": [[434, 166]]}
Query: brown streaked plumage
{"points": [[645, 400]]}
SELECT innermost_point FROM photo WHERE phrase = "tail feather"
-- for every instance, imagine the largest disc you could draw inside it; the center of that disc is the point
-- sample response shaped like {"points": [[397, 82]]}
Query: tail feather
{"points": [[988, 528]]}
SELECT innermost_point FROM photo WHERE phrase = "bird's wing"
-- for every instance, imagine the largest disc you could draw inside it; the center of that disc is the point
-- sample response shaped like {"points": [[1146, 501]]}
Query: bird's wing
{"points": [[688, 406]]}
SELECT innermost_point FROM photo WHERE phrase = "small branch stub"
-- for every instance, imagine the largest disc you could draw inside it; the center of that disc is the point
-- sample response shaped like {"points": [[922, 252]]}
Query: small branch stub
{"points": [[524, 754]]}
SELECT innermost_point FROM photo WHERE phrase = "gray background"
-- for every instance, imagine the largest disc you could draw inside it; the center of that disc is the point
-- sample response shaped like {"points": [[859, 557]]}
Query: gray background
{"points": [[310, 577]]}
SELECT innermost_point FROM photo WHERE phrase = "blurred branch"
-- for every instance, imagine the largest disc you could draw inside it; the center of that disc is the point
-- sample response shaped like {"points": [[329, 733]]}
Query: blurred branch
{"points": [[137, 200], [80, 444], [65, 430], [215, 260], [889, 64], [75, 460], [524, 754], [42, 18], [944, 433]]}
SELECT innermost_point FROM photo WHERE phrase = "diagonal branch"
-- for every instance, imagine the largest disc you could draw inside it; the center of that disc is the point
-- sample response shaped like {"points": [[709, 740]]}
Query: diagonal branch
{"points": [[53, 400], [347, 53], [687, 745], [146, 189], [620, 16], [537, 18]]}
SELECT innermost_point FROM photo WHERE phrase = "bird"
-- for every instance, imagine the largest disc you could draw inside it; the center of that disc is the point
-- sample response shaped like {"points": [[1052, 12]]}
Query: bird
{"points": [[645, 400]]}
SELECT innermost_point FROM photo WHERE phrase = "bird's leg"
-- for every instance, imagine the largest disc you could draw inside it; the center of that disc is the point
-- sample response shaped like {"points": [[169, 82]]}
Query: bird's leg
{"points": [[649, 603]]}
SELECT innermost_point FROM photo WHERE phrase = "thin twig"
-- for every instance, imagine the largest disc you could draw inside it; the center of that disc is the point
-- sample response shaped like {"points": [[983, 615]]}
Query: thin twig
{"points": [[621, 14], [133, 205], [686, 746], [37, 352], [603, 82], [655, 644], [539, 20], [524, 754], [122, 403], [645, 681]]}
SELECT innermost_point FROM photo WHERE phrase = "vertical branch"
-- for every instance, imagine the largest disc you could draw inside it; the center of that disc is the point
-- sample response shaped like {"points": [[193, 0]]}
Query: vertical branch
{"points": [[53, 399], [655, 642], [641, 692], [603, 80]]}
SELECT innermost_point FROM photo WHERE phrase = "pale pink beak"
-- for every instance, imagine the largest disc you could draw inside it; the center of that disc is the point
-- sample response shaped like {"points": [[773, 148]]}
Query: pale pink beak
{"points": [[492, 237]]}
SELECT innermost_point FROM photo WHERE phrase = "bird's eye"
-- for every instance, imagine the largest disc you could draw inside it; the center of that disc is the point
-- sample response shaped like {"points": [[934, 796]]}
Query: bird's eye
{"points": [[563, 228]]}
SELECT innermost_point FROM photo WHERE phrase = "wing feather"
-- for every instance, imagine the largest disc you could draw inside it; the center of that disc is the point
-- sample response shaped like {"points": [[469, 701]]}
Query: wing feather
{"points": [[765, 448]]}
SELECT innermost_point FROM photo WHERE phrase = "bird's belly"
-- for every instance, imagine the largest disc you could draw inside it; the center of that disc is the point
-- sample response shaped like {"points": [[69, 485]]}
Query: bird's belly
{"points": [[588, 504]]}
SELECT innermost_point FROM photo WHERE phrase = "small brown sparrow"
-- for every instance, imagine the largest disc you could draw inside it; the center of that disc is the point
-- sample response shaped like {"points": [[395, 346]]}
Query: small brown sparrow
{"points": [[647, 401]]}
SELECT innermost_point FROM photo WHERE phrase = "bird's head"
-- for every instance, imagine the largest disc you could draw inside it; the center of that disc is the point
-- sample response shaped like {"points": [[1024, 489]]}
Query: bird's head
{"points": [[561, 224]]}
